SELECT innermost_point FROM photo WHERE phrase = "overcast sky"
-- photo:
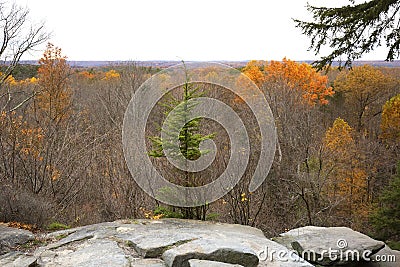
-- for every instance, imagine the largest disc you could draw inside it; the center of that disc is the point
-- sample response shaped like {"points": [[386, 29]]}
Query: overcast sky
{"points": [[177, 29]]}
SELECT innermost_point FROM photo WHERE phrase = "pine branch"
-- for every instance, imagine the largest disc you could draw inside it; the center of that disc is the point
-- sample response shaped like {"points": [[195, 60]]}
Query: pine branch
{"points": [[353, 30]]}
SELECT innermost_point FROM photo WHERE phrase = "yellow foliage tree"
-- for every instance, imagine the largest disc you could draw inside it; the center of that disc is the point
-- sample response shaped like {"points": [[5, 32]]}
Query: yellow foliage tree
{"points": [[31, 140], [20, 142], [10, 80], [390, 124], [348, 183], [338, 138], [111, 74], [363, 87]]}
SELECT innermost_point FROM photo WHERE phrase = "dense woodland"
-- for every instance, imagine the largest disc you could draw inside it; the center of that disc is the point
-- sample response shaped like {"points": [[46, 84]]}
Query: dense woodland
{"points": [[337, 159]]}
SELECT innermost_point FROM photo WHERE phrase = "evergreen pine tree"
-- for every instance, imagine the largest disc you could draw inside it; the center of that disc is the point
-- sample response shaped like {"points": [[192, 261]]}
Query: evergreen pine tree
{"points": [[189, 137], [386, 218]]}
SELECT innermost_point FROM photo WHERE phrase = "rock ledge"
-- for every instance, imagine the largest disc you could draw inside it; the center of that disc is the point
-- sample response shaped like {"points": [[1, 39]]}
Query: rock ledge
{"points": [[179, 243]]}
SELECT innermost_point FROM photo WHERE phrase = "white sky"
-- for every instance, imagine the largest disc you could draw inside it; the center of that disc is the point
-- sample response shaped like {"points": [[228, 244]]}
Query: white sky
{"points": [[177, 29]]}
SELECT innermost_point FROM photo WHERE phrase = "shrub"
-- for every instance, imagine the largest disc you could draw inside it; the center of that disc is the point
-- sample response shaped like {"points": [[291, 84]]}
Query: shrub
{"points": [[167, 212], [57, 226]]}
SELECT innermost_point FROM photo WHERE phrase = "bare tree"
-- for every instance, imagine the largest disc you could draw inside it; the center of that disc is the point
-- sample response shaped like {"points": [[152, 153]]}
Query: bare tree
{"points": [[18, 35]]}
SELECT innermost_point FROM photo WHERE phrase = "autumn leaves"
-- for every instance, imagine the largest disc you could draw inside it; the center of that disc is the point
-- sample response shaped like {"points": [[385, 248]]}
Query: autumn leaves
{"points": [[333, 129], [338, 144], [298, 76]]}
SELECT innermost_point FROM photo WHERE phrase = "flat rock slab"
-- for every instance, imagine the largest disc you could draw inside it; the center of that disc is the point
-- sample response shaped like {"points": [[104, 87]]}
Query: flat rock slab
{"points": [[330, 245], [158, 243], [187, 243], [17, 259], [11, 237], [153, 244], [153, 238], [93, 253], [211, 249]]}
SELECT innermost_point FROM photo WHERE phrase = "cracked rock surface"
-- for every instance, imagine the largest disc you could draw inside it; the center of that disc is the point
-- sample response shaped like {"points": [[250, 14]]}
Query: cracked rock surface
{"points": [[166, 242], [184, 243], [12, 237]]}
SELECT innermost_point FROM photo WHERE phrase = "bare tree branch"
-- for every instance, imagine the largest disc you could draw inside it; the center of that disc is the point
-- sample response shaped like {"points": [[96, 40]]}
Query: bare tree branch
{"points": [[18, 36]]}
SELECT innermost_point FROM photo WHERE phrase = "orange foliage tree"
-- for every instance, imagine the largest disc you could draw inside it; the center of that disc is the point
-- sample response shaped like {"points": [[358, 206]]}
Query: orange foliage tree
{"points": [[303, 77], [300, 76], [43, 128], [254, 70], [41, 145], [43, 134], [87, 74], [53, 102]]}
